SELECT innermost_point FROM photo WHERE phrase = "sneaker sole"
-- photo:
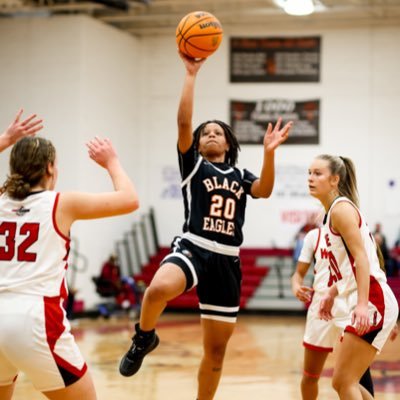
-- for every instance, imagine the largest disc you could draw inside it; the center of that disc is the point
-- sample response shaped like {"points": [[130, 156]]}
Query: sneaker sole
{"points": [[127, 371]]}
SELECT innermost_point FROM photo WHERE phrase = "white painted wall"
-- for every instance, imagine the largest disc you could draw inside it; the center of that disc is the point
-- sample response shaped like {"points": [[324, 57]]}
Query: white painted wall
{"points": [[82, 77], [86, 78]]}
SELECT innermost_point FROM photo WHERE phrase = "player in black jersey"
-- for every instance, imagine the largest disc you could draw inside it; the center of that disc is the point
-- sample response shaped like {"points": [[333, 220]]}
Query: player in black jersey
{"points": [[206, 256]]}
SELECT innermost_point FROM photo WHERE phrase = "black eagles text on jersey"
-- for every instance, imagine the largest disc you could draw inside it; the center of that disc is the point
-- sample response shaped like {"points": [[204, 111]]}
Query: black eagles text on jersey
{"points": [[214, 198]]}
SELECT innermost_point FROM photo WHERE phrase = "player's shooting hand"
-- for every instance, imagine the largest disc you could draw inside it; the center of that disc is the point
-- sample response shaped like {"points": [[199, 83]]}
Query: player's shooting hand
{"points": [[192, 65]]}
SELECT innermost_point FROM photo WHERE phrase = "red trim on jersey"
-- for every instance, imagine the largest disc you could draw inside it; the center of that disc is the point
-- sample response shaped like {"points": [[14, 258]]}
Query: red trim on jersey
{"points": [[54, 317], [358, 212], [376, 297], [317, 348], [350, 329], [317, 243], [56, 228], [332, 231], [54, 219], [70, 368]]}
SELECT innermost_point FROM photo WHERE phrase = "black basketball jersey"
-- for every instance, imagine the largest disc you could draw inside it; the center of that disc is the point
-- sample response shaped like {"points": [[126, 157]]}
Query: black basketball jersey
{"points": [[214, 196]]}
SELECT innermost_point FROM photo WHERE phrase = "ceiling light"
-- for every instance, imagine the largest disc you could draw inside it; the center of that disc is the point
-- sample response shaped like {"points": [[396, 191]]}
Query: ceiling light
{"points": [[299, 7]]}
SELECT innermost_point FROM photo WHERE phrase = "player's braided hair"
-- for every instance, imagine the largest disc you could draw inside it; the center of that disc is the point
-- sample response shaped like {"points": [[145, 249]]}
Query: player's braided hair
{"points": [[231, 156], [29, 159]]}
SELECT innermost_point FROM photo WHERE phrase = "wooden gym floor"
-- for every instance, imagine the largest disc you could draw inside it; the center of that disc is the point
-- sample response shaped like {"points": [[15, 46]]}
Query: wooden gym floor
{"points": [[264, 360]]}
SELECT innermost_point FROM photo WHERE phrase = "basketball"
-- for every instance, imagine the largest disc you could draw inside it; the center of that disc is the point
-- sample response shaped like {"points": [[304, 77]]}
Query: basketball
{"points": [[199, 34]]}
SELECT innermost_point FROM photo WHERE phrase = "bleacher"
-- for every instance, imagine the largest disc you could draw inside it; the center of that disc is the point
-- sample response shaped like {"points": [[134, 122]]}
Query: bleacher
{"points": [[266, 272], [252, 277]]}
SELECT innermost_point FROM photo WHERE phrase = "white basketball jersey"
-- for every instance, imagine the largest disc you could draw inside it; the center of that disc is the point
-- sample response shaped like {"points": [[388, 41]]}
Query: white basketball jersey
{"points": [[309, 253], [33, 252], [309, 246], [333, 255]]}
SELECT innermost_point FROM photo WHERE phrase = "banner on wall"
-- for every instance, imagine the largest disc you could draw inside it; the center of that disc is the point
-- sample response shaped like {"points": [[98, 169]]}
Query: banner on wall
{"points": [[249, 119], [278, 59]]}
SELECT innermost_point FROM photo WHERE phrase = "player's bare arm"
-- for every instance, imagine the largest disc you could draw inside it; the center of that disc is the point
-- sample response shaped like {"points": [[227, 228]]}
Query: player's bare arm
{"points": [[274, 136], [19, 129], [185, 110]]}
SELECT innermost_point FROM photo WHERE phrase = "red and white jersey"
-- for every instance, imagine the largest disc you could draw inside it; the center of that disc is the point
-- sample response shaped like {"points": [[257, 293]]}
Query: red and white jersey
{"points": [[33, 252], [333, 254], [309, 252], [309, 246]]}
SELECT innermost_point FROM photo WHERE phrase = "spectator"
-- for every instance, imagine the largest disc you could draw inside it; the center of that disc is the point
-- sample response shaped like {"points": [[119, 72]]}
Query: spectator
{"points": [[380, 240], [395, 255], [300, 235]]}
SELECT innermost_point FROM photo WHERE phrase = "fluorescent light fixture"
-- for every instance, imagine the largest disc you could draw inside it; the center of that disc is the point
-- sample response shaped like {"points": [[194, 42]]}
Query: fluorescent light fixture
{"points": [[299, 7]]}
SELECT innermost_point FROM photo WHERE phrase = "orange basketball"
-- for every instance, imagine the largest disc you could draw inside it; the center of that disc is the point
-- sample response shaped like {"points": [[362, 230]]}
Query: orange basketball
{"points": [[199, 34]]}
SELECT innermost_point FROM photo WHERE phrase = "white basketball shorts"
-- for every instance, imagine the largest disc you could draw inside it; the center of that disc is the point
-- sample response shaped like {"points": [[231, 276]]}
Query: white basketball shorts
{"points": [[35, 338], [321, 335]]}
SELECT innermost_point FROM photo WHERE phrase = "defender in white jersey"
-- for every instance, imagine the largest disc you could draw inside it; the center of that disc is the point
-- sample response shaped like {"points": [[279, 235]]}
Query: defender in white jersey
{"points": [[207, 254], [354, 273], [35, 222], [320, 336]]}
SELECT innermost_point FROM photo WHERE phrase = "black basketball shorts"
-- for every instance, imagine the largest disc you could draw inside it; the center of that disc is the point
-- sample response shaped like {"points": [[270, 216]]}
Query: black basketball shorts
{"points": [[217, 278]]}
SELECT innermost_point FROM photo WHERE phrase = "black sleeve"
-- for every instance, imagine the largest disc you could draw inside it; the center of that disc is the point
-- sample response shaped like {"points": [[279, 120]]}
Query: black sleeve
{"points": [[248, 179], [187, 161]]}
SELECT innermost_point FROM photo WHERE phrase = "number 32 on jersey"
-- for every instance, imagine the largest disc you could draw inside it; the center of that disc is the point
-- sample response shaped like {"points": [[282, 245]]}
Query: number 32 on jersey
{"points": [[8, 247]]}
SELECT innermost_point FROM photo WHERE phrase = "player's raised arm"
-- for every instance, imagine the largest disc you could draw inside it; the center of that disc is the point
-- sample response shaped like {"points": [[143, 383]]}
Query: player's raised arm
{"points": [[185, 110], [19, 129], [274, 136], [79, 205]]}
